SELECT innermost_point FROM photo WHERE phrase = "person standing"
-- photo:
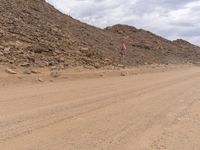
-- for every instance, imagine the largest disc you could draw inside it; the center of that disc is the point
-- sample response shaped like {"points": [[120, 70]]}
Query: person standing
{"points": [[122, 53]]}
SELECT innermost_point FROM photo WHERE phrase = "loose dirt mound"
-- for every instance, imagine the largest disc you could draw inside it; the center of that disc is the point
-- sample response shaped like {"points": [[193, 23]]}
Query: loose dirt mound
{"points": [[33, 33]]}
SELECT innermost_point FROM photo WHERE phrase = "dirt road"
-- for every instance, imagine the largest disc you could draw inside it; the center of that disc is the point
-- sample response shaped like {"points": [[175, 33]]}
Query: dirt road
{"points": [[154, 111]]}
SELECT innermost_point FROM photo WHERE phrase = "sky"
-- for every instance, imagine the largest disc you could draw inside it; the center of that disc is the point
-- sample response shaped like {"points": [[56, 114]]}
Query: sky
{"points": [[172, 19]]}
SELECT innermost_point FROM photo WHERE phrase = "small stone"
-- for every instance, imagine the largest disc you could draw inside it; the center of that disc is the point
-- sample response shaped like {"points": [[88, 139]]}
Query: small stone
{"points": [[34, 71], [106, 59], [11, 61], [61, 66], [66, 64], [101, 75], [123, 74], [25, 64], [54, 67], [97, 65], [62, 59], [54, 74], [65, 78], [41, 65], [84, 49], [13, 67], [10, 71], [20, 77], [27, 72], [57, 52], [40, 79], [120, 65], [7, 50]]}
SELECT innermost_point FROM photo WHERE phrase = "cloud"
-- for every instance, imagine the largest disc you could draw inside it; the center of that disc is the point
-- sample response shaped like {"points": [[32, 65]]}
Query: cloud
{"points": [[169, 18]]}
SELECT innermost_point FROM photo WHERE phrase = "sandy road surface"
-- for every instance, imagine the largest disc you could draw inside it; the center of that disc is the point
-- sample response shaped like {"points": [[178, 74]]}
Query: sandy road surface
{"points": [[154, 111]]}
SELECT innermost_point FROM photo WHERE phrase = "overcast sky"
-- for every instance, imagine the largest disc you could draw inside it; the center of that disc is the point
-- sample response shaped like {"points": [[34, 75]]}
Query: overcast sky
{"points": [[171, 19]]}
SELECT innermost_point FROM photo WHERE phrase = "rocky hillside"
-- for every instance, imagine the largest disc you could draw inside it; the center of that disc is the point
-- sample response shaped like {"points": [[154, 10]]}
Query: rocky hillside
{"points": [[146, 47], [33, 33]]}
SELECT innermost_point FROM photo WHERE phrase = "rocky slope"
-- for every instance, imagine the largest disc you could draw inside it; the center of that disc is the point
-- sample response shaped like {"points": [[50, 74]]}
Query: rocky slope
{"points": [[146, 47], [35, 33]]}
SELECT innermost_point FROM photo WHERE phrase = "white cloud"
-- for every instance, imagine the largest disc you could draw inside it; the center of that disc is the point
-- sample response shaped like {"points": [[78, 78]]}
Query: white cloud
{"points": [[169, 18]]}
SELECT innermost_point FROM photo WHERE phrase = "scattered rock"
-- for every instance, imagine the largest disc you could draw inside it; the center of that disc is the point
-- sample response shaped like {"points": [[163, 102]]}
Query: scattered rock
{"points": [[40, 79], [11, 61], [12, 67], [41, 65], [39, 49], [25, 64], [83, 49], [62, 59], [54, 74], [20, 77], [54, 67], [123, 74], [34, 71], [89, 67], [101, 75], [120, 65], [27, 72], [7, 50], [66, 78], [1, 47], [106, 59], [97, 65], [57, 52], [10, 71], [61, 66], [66, 64]]}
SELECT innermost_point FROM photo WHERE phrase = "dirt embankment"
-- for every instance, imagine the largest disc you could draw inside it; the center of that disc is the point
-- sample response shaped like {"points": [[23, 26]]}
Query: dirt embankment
{"points": [[19, 75]]}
